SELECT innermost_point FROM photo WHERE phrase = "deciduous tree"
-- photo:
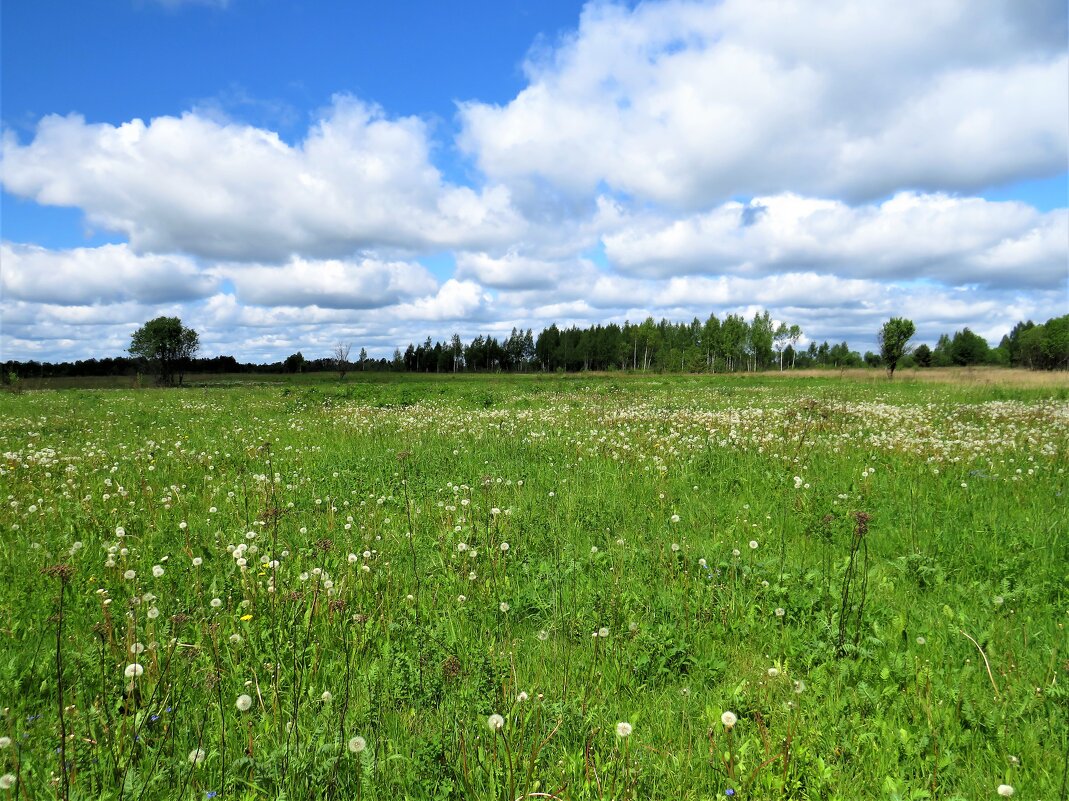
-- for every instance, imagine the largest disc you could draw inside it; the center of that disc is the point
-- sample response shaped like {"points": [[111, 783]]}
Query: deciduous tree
{"points": [[166, 346]]}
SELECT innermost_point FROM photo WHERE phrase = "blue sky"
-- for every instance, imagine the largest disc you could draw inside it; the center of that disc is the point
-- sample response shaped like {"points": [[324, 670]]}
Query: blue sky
{"points": [[290, 175]]}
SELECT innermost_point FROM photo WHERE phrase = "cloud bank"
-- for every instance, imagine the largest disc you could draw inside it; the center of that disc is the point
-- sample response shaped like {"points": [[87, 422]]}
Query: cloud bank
{"points": [[825, 160]]}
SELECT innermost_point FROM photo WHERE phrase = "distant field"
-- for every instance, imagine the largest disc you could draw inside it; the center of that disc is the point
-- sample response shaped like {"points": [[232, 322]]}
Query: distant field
{"points": [[279, 586]]}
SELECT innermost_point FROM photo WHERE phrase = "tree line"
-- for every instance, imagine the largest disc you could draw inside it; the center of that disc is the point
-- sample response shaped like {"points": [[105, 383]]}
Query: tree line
{"points": [[168, 349]]}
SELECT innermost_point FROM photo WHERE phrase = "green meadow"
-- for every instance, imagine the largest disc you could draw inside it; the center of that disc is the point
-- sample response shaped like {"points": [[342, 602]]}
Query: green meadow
{"points": [[536, 587]]}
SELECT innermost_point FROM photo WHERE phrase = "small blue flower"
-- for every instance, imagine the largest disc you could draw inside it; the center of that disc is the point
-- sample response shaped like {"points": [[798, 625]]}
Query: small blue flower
{"points": [[210, 794], [729, 792]]}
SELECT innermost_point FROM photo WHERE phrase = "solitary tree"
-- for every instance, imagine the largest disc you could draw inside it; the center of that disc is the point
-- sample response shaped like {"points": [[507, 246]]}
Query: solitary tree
{"points": [[340, 357], [166, 346], [894, 342], [294, 363]]}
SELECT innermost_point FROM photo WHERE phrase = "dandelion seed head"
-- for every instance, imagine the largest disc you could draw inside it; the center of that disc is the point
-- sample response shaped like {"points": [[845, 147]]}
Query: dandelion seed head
{"points": [[1005, 790], [623, 729], [495, 722], [196, 756], [357, 744], [133, 670], [243, 703], [729, 719]]}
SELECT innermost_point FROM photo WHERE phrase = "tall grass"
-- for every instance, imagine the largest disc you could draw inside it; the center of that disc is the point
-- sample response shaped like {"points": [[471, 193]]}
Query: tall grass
{"points": [[328, 590]]}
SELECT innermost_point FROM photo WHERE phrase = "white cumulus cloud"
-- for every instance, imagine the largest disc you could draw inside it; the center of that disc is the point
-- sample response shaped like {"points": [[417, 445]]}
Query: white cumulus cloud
{"points": [[224, 190], [946, 239], [691, 103]]}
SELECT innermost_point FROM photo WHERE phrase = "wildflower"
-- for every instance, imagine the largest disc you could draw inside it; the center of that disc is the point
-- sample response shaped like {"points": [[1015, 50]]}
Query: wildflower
{"points": [[799, 686], [244, 703], [133, 670], [504, 607], [675, 518], [1005, 790], [216, 603], [196, 756], [623, 729], [780, 612], [246, 618], [357, 744], [728, 719], [736, 552], [326, 697], [603, 632], [543, 635], [495, 722], [675, 547], [772, 672], [703, 564], [522, 697], [153, 613], [7, 781], [504, 547], [753, 545], [197, 561], [157, 570], [5, 742], [921, 641], [129, 575]]}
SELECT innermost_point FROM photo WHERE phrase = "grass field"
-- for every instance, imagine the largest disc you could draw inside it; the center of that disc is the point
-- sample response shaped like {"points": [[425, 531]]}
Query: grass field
{"points": [[537, 587]]}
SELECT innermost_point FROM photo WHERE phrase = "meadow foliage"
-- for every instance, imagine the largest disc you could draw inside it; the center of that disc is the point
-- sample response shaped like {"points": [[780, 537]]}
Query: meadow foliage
{"points": [[535, 587]]}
